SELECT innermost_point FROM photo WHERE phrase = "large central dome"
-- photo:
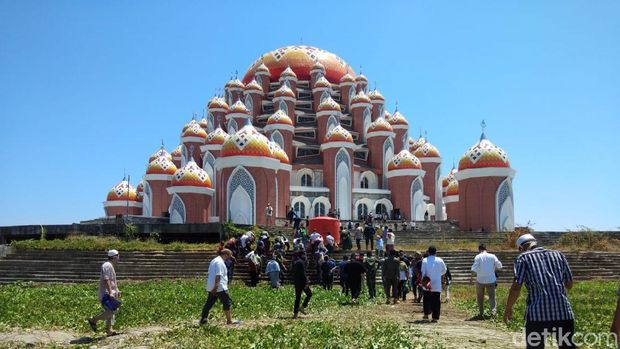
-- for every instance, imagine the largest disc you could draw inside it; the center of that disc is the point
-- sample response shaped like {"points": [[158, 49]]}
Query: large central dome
{"points": [[301, 59]]}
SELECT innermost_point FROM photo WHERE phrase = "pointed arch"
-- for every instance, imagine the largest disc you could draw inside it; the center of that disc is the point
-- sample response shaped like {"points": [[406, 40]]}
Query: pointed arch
{"points": [[208, 164], [177, 210], [301, 206], [504, 206], [367, 121], [351, 95], [249, 104], [418, 207], [325, 95], [283, 106], [259, 79], [343, 184], [232, 126], [241, 191], [368, 180], [331, 122], [184, 155], [388, 153], [210, 122], [147, 200], [277, 137], [363, 207], [320, 206]]}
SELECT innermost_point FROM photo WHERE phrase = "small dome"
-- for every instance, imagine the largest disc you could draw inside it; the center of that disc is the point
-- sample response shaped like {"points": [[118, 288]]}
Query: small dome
{"points": [[288, 73], [217, 103], [387, 115], [329, 105], [262, 70], [191, 175], [361, 97], [186, 126], [279, 153], [427, 150], [284, 91], [444, 183], [246, 142], [217, 136], [160, 152], [140, 192], [361, 78], [375, 95], [318, 66], [238, 107], [398, 119], [253, 86], [347, 78], [123, 191], [279, 117], [194, 130], [379, 125], [161, 165], [404, 161], [203, 123], [484, 154], [416, 144], [176, 153], [322, 82], [338, 134], [453, 188], [234, 83]]}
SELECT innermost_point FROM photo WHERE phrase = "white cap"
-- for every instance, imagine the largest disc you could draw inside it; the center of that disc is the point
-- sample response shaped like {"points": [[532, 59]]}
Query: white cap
{"points": [[525, 238], [112, 253]]}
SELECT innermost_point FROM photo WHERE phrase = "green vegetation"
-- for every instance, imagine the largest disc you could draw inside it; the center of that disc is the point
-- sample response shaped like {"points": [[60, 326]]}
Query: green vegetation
{"points": [[593, 303], [96, 243], [587, 241]]}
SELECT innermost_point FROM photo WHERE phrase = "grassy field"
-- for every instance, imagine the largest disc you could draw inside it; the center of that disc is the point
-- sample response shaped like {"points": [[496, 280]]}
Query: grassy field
{"points": [[593, 303]]}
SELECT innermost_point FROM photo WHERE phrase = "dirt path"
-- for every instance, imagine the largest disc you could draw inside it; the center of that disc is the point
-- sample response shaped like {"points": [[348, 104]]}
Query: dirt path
{"points": [[454, 330]]}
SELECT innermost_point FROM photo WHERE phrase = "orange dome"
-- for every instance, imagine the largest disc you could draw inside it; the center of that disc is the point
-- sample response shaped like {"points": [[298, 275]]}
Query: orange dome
{"points": [[203, 123], [284, 91], [191, 175], [338, 134], [253, 86], [453, 188], [360, 97], [416, 144], [398, 119], [161, 165], [279, 153], [387, 115], [262, 70], [123, 191], [288, 73], [246, 142], [375, 95], [484, 154], [176, 153], [361, 78], [444, 183], [347, 78], [217, 136], [234, 83], [238, 108], [301, 59], [160, 152], [318, 66], [427, 150], [322, 82], [329, 105], [194, 130], [404, 161], [217, 103], [379, 125], [279, 117]]}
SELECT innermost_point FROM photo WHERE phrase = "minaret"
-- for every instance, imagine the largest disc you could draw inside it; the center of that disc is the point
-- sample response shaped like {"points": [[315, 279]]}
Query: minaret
{"points": [[378, 101], [254, 98], [361, 114], [158, 178], [347, 90], [284, 98], [431, 162], [337, 148], [320, 88], [192, 137], [327, 116], [405, 176], [485, 188], [122, 200], [280, 130], [317, 71], [377, 134], [401, 129], [289, 78], [234, 90], [218, 108], [361, 83], [191, 194], [237, 116]]}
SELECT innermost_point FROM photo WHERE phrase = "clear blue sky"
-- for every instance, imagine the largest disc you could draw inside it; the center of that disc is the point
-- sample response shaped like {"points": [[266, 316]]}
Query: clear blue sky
{"points": [[89, 88]]}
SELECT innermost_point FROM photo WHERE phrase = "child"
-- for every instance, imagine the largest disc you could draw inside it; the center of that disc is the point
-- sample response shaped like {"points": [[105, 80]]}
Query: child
{"points": [[379, 245]]}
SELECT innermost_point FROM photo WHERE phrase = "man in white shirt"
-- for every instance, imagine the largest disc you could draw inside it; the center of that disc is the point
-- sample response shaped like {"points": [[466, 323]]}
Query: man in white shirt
{"points": [[108, 294], [217, 286], [433, 269], [269, 214], [273, 270], [484, 267]]}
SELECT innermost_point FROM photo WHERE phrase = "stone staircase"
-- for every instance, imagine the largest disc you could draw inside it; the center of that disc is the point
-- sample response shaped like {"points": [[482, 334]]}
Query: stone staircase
{"points": [[83, 266]]}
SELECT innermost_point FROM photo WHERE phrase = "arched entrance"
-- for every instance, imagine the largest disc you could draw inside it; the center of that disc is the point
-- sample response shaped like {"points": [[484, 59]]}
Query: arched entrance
{"points": [[241, 195]]}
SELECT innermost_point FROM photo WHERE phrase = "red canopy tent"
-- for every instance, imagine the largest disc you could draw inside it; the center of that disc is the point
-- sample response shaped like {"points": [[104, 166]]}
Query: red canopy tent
{"points": [[325, 226]]}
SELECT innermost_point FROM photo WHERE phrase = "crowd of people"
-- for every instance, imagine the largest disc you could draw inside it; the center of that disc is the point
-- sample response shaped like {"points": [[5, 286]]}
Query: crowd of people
{"points": [[545, 273]]}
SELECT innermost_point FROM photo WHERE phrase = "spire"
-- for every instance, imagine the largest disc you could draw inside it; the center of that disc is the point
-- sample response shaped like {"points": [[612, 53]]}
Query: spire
{"points": [[162, 144], [396, 109], [236, 74], [483, 125], [194, 116]]}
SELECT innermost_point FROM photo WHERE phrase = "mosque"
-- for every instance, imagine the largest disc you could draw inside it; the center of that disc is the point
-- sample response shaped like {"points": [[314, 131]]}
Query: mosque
{"points": [[301, 130]]}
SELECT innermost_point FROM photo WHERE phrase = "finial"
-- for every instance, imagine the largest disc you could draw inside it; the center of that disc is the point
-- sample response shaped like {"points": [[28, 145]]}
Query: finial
{"points": [[360, 69], [453, 164], [124, 174], [420, 132], [375, 86], [162, 143], [194, 116], [397, 110], [236, 74], [483, 125]]}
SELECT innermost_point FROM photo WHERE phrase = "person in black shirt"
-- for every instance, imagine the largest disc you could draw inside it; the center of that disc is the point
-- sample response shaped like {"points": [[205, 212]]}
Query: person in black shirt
{"points": [[302, 284], [354, 270]]}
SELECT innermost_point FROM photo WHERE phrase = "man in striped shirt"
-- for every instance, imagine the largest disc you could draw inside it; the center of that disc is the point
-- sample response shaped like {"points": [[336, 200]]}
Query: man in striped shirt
{"points": [[547, 277]]}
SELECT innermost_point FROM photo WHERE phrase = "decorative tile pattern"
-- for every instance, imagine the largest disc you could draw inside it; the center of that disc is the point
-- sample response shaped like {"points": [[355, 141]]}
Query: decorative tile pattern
{"points": [[482, 155], [217, 103], [253, 86], [191, 175], [122, 191], [329, 105], [338, 134], [404, 160], [246, 141], [194, 130], [398, 119], [360, 97], [218, 136], [160, 152], [234, 83], [427, 150], [379, 125], [284, 91], [238, 107], [161, 165], [375, 95], [279, 117]]}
